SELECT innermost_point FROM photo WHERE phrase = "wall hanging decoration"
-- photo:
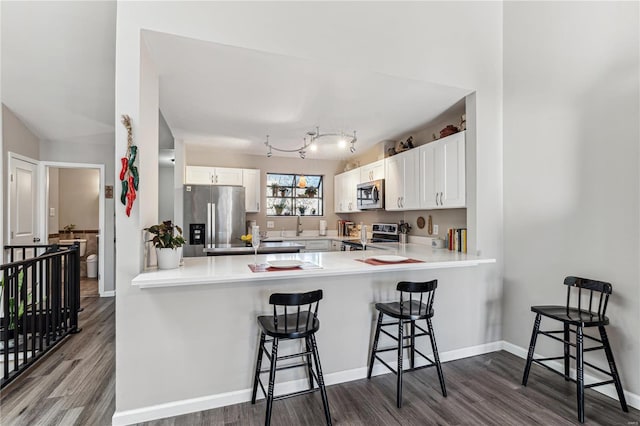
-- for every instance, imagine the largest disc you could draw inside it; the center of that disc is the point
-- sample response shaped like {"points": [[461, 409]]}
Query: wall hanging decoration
{"points": [[129, 178]]}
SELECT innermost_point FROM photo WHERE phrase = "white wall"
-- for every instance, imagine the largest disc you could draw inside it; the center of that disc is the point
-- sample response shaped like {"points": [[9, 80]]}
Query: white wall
{"points": [[411, 38], [571, 165], [78, 198], [96, 150], [53, 225]]}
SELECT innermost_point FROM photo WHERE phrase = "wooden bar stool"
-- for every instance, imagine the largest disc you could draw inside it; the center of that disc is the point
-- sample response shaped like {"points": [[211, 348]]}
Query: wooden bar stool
{"points": [[408, 312], [582, 289], [294, 323]]}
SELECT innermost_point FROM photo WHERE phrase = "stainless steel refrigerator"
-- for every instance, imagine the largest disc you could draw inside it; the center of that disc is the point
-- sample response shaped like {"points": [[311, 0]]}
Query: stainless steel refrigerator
{"points": [[214, 216]]}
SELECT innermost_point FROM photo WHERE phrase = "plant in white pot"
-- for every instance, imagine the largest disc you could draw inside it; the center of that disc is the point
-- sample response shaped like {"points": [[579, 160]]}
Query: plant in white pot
{"points": [[168, 244]]}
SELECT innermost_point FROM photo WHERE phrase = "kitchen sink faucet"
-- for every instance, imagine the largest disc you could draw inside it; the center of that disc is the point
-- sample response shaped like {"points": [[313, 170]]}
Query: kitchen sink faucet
{"points": [[298, 226]]}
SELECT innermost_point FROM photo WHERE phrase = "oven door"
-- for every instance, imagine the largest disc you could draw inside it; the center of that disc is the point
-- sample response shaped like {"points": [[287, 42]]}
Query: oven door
{"points": [[349, 246]]}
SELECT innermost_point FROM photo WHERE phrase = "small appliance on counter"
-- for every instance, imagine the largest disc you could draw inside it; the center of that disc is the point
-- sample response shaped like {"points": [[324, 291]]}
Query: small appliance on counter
{"points": [[323, 228], [380, 233], [370, 195]]}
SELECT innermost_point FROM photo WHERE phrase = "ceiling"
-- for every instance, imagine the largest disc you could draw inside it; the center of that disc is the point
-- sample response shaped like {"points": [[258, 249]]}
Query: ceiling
{"points": [[58, 77], [58, 67], [231, 98]]}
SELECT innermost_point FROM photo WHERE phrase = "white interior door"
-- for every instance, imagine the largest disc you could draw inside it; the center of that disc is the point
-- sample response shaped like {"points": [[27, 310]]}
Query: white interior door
{"points": [[24, 210]]}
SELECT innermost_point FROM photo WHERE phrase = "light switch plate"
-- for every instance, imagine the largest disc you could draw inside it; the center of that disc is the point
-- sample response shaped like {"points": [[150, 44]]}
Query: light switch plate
{"points": [[270, 224], [52, 211], [435, 229]]}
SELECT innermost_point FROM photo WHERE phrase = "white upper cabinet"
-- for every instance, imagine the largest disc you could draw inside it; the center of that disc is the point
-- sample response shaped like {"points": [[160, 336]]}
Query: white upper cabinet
{"points": [[251, 183], [402, 188], [226, 176], [345, 194], [442, 173], [199, 175], [372, 171]]}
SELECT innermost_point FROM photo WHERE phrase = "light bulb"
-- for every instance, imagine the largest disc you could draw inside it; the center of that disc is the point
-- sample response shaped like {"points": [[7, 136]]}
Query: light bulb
{"points": [[342, 143], [313, 147]]}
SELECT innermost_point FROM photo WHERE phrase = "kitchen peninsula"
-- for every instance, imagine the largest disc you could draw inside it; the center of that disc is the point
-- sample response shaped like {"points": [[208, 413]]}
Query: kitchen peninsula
{"points": [[203, 316]]}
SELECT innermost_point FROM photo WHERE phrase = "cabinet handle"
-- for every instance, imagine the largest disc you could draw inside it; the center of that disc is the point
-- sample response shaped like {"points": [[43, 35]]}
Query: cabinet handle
{"points": [[401, 201], [441, 199], [258, 206], [437, 199]]}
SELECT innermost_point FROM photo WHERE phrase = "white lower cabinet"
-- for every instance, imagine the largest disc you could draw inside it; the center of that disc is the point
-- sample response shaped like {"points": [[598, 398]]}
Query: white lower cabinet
{"points": [[315, 245]]}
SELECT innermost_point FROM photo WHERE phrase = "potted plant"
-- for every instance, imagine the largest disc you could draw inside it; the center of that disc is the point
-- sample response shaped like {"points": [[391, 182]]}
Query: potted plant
{"points": [[311, 191], [68, 229], [283, 191], [168, 244], [279, 206], [302, 209], [274, 189]]}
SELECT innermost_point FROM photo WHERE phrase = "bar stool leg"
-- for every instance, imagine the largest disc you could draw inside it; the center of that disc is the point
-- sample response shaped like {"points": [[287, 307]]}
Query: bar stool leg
{"points": [[272, 379], [309, 367], [612, 367], [436, 357], [256, 378], [580, 373], [412, 353], [532, 347], [399, 375], [567, 360], [374, 348], [323, 391]]}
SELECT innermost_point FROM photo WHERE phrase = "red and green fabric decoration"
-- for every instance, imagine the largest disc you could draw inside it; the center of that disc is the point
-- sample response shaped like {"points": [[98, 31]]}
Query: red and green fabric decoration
{"points": [[129, 178]]}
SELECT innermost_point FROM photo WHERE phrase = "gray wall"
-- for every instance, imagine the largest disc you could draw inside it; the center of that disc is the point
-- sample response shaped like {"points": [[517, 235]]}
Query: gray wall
{"points": [[78, 198], [96, 150], [165, 193], [571, 162]]}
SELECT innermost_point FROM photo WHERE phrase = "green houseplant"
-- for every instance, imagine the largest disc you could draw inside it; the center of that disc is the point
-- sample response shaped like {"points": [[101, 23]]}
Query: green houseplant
{"points": [[168, 244], [279, 206], [311, 191], [274, 189]]}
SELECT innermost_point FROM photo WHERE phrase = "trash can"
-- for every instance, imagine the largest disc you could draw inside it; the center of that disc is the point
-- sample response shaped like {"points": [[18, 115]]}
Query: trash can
{"points": [[92, 266]]}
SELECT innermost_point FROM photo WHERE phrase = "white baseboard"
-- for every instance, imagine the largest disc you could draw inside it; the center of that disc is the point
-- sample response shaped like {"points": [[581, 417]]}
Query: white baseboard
{"points": [[109, 293], [209, 402], [633, 400]]}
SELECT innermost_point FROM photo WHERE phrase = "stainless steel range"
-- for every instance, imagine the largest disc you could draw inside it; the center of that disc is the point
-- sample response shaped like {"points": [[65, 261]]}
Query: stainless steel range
{"points": [[380, 233]]}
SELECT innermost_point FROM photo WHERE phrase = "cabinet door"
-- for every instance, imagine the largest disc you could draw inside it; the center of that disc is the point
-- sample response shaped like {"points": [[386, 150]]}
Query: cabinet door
{"points": [[351, 181], [226, 176], [394, 182], [410, 198], [452, 176], [429, 197], [337, 193], [198, 175], [251, 183], [373, 171]]}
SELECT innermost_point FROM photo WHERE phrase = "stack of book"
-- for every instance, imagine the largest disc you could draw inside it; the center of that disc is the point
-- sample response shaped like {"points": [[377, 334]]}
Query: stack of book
{"points": [[458, 239]]}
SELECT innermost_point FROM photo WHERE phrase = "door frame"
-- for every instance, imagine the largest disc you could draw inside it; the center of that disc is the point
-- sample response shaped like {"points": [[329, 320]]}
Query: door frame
{"points": [[11, 156], [44, 200]]}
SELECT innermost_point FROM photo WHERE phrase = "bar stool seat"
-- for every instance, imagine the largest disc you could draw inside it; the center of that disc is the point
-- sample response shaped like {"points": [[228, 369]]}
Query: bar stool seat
{"points": [[418, 307], [299, 324], [596, 294]]}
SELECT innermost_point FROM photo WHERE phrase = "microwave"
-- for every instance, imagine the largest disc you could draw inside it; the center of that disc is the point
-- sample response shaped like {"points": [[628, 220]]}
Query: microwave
{"points": [[370, 195]]}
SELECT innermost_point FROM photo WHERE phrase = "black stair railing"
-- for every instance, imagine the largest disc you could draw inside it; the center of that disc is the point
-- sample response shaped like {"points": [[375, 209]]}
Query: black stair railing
{"points": [[39, 303]]}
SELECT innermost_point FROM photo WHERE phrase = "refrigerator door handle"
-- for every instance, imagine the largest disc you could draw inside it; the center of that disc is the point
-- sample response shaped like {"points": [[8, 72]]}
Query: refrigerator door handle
{"points": [[211, 224]]}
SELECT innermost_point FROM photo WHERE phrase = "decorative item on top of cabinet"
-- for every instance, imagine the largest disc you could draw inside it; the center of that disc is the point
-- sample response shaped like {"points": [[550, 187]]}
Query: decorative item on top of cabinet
{"points": [[449, 130]]}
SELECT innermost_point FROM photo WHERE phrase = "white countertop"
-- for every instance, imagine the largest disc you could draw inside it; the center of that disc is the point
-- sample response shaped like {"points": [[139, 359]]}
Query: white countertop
{"points": [[226, 269]]}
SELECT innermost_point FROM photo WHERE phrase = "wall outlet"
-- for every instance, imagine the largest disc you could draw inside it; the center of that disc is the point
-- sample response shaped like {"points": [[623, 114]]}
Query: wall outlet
{"points": [[435, 229], [52, 211], [270, 224]]}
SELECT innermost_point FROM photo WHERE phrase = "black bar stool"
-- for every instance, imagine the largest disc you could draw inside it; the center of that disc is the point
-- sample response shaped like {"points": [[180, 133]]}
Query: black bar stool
{"points": [[292, 324], [578, 318], [408, 312]]}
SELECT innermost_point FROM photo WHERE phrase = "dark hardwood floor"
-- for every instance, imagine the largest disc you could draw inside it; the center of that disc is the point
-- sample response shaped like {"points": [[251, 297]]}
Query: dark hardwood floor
{"points": [[482, 390], [75, 385]]}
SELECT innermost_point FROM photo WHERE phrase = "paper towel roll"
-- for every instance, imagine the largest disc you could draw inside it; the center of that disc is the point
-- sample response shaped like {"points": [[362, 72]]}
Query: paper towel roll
{"points": [[323, 227]]}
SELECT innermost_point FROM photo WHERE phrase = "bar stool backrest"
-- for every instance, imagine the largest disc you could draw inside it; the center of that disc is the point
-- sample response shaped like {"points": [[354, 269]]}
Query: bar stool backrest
{"points": [[427, 292], [294, 301], [584, 289]]}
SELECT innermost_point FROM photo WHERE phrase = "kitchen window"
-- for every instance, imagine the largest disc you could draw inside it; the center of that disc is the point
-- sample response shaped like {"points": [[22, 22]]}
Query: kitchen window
{"points": [[293, 194]]}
